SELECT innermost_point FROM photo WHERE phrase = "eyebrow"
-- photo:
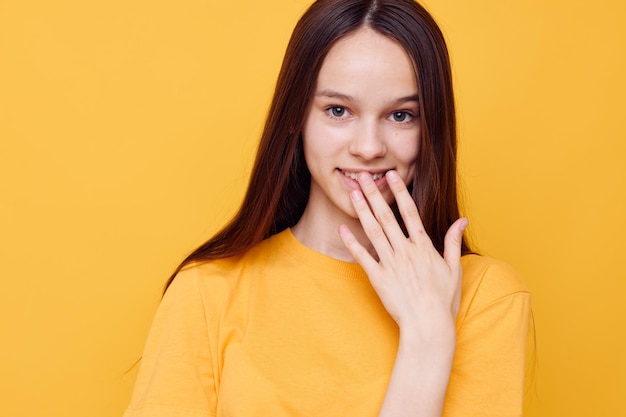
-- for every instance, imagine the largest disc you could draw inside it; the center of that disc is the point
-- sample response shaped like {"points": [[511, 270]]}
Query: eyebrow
{"points": [[341, 96]]}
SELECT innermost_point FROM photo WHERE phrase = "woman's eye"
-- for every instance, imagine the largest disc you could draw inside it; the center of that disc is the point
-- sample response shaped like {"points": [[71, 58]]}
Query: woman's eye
{"points": [[401, 116], [337, 111]]}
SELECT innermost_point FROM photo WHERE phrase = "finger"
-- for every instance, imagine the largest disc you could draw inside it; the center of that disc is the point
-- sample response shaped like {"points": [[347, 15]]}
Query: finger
{"points": [[407, 208], [371, 226], [360, 254], [381, 210], [452, 256], [452, 245]]}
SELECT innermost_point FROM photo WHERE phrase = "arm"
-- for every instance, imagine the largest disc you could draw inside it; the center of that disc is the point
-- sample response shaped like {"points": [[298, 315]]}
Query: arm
{"points": [[419, 380], [489, 369], [176, 371], [420, 290]]}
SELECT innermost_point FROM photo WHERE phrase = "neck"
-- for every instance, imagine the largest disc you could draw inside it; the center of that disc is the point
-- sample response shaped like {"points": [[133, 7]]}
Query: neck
{"points": [[319, 232]]}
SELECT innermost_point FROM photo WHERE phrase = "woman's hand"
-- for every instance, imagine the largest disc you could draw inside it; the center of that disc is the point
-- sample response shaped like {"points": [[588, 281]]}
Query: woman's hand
{"points": [[419, 288]]}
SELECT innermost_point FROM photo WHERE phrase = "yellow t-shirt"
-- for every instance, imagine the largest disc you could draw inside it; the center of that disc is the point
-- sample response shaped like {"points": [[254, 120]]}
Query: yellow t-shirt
{"points": [[286, 331]]}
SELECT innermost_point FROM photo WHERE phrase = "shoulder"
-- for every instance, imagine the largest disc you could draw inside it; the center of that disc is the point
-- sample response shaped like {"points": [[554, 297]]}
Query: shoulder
{"points": [[216, 280], [483, 270], [487, 377], [487, 280]]}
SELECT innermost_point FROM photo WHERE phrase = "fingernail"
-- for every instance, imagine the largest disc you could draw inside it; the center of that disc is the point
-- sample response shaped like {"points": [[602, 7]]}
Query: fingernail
{"points": [[464, 224], [393, 176], [365, 178], [356, 195]]}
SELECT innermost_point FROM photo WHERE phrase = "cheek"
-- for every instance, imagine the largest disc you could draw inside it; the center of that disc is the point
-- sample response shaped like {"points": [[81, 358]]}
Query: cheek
{"points": [[310, 137], [319, 140], [406, 156], [406, 149]]}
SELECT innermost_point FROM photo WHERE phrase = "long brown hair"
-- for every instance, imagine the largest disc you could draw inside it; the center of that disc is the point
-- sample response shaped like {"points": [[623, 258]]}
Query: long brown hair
{"points": [[279, 185]]}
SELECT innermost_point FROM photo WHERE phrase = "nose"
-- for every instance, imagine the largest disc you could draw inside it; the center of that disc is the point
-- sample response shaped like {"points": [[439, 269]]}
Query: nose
{"points": [[368, 142]]}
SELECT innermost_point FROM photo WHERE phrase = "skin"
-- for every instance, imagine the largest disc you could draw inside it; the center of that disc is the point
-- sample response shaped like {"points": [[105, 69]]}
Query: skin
{"points": [[364, 119]]}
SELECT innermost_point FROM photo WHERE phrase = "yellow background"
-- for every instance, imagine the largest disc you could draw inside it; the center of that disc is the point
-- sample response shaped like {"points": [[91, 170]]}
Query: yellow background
{"points": [[127, 129]]}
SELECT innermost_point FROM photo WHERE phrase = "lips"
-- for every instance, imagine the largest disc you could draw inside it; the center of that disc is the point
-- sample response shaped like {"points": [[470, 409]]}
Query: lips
{"points": [[353, 174]]}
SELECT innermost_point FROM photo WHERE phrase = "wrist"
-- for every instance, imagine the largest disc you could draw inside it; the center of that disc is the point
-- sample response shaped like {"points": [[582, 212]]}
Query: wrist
{"points": [[436, 333]]}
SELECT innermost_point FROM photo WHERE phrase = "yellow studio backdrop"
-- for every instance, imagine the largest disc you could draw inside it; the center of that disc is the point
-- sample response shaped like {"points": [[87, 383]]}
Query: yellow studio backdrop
{"points": [[127, 132]]}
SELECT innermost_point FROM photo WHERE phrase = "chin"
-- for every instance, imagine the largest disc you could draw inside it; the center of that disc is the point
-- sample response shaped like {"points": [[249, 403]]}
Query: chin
{"points": [[350, 212]]}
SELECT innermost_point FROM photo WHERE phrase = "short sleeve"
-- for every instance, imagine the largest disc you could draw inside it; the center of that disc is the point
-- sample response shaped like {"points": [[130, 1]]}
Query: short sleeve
{"points": [[176, 377], [487, 376]]}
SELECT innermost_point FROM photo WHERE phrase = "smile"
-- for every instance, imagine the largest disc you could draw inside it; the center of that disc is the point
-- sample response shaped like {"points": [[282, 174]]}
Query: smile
{"points": [[353, 175]]}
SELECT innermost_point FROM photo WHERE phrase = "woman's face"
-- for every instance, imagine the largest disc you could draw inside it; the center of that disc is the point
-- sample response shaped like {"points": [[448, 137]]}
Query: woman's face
{"points": [[364, 116]]}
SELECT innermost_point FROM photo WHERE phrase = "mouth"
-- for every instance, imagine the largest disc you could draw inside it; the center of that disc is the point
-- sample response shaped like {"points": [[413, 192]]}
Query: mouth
{"points": [[353, 175]]}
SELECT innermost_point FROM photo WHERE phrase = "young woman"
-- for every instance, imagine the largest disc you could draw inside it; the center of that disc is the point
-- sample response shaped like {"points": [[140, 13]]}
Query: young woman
{"points": [[344, 286]]}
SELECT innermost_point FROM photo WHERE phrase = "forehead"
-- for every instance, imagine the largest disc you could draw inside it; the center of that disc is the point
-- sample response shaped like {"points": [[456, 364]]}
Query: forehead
{"points": [[367, 62]]}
